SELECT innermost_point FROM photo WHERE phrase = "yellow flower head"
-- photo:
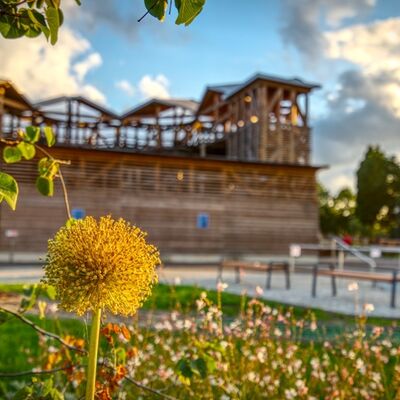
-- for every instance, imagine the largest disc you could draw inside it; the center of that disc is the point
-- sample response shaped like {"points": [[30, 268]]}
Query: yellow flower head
{"points": [[104, 264]]}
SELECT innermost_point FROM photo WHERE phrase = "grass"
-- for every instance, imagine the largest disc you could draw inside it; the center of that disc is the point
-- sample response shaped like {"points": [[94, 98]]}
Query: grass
{"points": [[183, 298], [14, 335]]}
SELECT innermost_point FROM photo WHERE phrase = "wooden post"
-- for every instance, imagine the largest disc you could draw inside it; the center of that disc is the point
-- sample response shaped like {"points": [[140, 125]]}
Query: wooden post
{"points": [[2, 96], [69, 121], [263, 122], [158, 129], [306, 111]]}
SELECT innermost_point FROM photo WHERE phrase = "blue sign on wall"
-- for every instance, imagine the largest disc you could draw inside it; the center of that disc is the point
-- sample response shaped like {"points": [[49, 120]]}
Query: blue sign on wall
{"points": [[78, 213], [203, 220]]}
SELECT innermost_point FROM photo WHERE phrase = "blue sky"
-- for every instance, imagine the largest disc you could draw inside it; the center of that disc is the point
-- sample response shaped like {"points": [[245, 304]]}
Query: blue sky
{"points": [[352, 48]]}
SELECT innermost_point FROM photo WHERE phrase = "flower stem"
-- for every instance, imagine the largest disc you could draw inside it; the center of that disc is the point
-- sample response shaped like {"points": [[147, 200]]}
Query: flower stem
{"points": [[93, 348]]}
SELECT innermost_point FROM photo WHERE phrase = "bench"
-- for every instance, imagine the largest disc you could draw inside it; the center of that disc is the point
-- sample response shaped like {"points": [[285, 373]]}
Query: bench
{"points": [[392, 278], [269, 267]]}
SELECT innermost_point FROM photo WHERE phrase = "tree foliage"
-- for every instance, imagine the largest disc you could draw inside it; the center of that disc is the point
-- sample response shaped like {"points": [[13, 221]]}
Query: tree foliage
{"points": [[337, 213], [375, 208], [378, 189], [32, 18]]}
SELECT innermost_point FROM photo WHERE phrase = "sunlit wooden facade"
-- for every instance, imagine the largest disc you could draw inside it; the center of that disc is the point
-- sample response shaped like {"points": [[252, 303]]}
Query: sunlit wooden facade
{"points": [[228, 175]]}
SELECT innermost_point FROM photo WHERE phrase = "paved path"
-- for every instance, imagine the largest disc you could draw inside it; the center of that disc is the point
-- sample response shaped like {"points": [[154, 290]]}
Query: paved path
{"points": [[300, 293]]}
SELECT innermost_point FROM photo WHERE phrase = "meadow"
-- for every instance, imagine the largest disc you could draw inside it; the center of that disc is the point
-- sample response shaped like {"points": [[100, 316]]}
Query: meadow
{"points": [[189, 343]]}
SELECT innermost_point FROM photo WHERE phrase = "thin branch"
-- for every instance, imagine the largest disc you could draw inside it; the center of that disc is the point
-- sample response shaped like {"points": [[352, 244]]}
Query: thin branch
{"points": [[148, 11], [64, 187], [42, 331], [52, 371], [60, 175], [144, 387], [41, 372]]}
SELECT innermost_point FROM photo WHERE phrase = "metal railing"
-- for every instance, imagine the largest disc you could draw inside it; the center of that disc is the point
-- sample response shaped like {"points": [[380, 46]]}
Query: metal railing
{"points": [[338, 248]]}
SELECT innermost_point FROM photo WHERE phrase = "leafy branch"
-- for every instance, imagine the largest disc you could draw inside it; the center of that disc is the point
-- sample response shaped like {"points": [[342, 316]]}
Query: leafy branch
{"points": [[31, 18], [25, 147], [188, 10]]}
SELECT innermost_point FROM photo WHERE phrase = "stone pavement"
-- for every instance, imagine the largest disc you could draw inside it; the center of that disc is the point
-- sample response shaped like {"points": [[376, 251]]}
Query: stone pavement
{"points": [[300, 293]]}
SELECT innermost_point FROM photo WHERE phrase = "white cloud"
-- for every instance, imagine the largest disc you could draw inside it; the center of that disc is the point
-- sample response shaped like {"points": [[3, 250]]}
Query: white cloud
{"points": [[338, 178], [339, 10], [41, 70], [156, 87], [303, 21], [126, 87], [93, 60], [375, 50]]}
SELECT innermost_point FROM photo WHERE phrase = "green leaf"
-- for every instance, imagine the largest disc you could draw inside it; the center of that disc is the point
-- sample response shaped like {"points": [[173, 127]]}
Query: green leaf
{"points": [[45, 186], [184, 368], [60, 16], [11, 154], [27, 150], [49, 135], [48, 168], [188, 10], [39, 21], [10, 27], [31, 295], [156, 8], [32, 29], [53, 20], [32, 134], [9, 189], [200, 366], [51, 292]]}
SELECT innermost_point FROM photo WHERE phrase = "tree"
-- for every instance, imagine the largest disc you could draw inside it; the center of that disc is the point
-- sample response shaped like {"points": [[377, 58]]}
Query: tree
{"points": [[31, 18], [378, 191], [337, 213]]}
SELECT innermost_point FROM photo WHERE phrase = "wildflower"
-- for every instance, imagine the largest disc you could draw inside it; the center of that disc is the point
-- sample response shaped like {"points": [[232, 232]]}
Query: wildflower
{"points": [[313, 325], [177, 280], [259, 290], [52, 308], [369, 307], [103, 264], [221, 286], [352, 287]]}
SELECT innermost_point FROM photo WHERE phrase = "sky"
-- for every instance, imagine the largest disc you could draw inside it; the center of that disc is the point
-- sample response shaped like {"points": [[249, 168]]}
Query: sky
{"points": [[351, 48]]}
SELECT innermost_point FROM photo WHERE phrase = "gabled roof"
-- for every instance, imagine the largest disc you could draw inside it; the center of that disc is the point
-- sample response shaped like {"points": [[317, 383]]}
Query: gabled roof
{"points": [[89, 103], [150, 108], [294, 82], [13, 97], [228, 90]]}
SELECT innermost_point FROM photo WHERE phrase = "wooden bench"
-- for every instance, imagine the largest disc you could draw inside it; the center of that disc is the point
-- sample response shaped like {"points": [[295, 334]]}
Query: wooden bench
{"points": [[269, 267], [392, 278]]}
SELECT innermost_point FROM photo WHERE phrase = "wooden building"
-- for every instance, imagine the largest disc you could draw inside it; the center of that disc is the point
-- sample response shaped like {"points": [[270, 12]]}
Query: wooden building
{"points": [[228, 175]]}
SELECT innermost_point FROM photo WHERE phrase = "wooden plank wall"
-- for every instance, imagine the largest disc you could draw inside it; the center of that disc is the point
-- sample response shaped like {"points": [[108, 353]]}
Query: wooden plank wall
{"points": [[253, 208]]}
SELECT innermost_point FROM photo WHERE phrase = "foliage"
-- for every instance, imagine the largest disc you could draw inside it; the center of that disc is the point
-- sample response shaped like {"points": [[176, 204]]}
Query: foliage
{"points": [[378, 191], [25, 147], [32, 18], [374, 209], [264, 352], [337, 213]]}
